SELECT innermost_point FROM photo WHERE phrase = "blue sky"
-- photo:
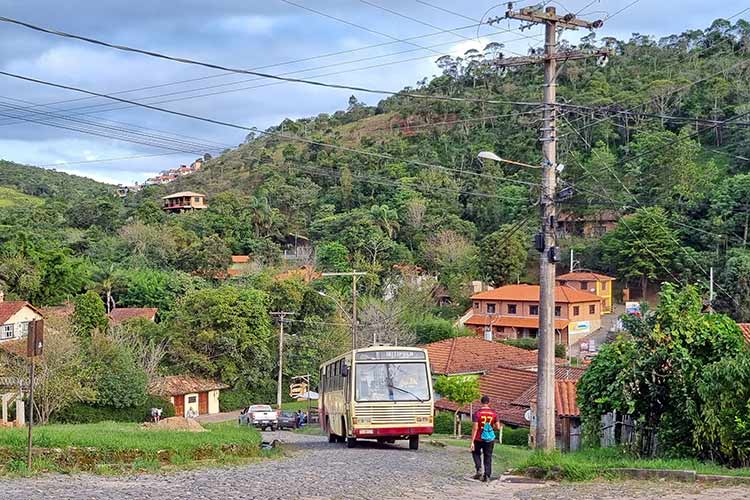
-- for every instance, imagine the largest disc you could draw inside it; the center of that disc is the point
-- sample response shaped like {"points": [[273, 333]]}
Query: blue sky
{"points": [[247, 34]]}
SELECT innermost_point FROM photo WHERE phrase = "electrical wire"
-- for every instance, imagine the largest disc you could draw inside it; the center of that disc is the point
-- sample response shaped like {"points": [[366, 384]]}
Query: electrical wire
{"points": [[219, 67]]}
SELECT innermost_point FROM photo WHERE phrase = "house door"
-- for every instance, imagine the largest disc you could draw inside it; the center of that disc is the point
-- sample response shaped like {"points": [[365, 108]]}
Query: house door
{"points": [[202, 403], [191, 405], [179, 406]]}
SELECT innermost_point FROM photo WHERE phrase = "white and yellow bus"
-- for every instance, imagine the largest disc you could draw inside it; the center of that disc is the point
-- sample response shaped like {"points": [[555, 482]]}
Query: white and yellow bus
{"points": [[382, 393]]}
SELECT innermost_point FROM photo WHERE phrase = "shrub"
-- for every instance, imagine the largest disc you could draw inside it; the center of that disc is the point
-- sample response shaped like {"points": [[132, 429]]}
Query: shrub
{"points": [[516, 437], [444, 424], [80, 413], [433, 329], [533, 344], [236, 398]]}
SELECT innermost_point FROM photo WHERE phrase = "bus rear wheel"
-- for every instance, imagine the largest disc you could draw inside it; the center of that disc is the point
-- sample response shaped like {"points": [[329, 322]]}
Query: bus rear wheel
{"points": [[414, 442], [351, 442]]}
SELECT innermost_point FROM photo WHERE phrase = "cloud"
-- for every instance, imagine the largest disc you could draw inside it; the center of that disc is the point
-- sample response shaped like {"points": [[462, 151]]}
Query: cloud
{"points": [[249, 25]]}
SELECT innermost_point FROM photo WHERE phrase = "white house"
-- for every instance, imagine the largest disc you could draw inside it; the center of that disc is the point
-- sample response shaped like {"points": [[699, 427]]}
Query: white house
{"points": [[189, 395], [15, 318]]}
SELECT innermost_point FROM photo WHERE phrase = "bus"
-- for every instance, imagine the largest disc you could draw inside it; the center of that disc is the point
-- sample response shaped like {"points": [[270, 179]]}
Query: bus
{"points": [[382, 393]]}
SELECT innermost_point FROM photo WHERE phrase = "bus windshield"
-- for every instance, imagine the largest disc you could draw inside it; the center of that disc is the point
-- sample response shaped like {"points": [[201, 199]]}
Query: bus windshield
{"points": [[391, 382]]}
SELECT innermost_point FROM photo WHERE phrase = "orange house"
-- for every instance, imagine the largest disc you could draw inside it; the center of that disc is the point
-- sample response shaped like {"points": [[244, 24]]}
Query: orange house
{"points": [[512, 312], [600, 284]]}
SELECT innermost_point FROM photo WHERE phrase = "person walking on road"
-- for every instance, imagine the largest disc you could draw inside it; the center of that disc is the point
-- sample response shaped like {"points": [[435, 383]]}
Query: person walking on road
{"points": [[484, 431]]}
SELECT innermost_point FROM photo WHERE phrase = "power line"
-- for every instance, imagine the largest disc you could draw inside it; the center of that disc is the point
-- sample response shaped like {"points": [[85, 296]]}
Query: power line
{"points": [[251, 72], [253, 129], [107, 107], [458, 14]]}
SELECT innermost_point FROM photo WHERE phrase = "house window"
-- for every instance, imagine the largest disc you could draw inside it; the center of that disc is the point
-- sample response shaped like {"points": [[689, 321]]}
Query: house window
{"points": [[511, 309], [576, 310], [605, 284], [197, 199], [7, 331], [534, 310], [192, 399], [558, 310], [584, 285], [592, 309], [490, 308], [476, 305]]}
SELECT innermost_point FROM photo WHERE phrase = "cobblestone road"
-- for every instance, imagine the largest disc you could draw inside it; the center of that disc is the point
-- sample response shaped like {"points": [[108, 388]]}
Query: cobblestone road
{"points": [[318, 470]]}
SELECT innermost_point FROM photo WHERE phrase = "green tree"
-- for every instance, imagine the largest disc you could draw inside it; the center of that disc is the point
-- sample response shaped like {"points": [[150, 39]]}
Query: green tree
{"points": [[224, 333], [734, 282], [119, 381], [461, 390], [503, 256], [642, 246], [89, 314]]}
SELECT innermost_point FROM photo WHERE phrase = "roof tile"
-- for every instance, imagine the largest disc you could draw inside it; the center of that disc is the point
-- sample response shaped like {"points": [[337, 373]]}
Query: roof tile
{"points": [[177, 385], [530, 293], [584, 276], [121, 314], [475, 355]]}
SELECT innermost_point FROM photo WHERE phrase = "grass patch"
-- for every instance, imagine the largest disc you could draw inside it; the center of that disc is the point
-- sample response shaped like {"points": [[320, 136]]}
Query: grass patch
{"points": [[589, 464], [10, 197], [110, 447]]}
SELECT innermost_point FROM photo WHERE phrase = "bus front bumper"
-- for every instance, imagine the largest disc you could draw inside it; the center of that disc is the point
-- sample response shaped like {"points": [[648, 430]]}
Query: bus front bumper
{"points": [[392, 431]]}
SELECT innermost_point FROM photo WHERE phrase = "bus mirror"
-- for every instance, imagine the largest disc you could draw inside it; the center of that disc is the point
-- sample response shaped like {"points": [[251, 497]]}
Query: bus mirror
{"points": [[345, 370]]}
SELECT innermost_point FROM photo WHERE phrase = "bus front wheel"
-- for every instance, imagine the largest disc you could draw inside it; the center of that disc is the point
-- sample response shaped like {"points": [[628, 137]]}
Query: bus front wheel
{"points": [[414, 442], [351, 442]]}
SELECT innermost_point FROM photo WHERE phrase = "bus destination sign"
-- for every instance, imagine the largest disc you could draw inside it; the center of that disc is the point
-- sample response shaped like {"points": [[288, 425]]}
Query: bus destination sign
{"points": [[390, 355]]}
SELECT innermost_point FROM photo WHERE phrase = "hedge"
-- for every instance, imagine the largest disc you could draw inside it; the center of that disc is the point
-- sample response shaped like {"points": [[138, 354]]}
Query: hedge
{"points": [[80, 413]]}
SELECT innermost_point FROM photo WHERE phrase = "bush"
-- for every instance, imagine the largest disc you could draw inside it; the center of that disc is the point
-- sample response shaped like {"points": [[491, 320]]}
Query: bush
{"points": [[80, 413], [237, 398], [533, 344], [444, 424], [516, 437], [433, 329]]}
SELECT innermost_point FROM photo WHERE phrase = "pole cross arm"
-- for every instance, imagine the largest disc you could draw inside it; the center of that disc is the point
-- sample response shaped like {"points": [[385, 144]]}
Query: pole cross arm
{"points": [[569, 21], [570, 55]]}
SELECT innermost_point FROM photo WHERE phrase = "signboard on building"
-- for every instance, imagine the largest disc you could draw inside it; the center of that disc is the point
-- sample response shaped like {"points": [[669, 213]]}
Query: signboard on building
{"points": [[633, 307], [578, 327]]}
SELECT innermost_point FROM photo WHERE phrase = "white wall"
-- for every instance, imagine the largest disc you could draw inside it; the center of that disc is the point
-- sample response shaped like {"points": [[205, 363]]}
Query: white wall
{"points": [[213, 401], [17, 320]]}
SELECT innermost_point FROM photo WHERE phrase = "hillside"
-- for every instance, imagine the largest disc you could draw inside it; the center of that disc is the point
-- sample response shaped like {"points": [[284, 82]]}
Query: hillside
{"points": [[48, 183], [10, 197]]}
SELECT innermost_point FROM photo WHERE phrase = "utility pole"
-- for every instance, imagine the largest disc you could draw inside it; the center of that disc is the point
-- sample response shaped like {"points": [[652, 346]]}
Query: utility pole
{"points": [[354, 274], [571, 260], [34, 348], [281, 315], [545, 242]]}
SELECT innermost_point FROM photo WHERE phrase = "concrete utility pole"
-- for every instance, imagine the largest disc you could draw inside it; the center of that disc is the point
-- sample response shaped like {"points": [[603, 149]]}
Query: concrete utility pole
{"points": [[550, 253], [282, 315], [354, 275]]}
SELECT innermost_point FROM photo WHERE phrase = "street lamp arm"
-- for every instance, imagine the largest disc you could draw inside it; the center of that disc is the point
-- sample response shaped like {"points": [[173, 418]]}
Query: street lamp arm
{"points": [[338, 304]]}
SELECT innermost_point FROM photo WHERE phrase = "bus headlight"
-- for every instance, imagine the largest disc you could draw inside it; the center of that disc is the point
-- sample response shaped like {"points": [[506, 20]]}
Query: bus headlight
{"points": [[361, 420]]}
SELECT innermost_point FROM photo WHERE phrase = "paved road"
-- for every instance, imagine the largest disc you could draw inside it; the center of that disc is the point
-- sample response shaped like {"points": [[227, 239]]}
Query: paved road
{"points": [[318, 470]]}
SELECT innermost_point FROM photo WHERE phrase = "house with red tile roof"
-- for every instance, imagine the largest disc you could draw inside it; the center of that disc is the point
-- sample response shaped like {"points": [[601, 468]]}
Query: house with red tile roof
{"points": [[15, 318], [512, 312], [119, 315], [190, 395], [745, 327], [597, 283], [473, 355]]}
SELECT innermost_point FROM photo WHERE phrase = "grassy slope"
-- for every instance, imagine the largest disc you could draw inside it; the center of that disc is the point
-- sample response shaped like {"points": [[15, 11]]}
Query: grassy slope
{"points": [[10, 197]]}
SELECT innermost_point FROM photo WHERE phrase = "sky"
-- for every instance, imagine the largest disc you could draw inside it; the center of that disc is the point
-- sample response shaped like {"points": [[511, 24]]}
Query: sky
{"points": [[75, 133]]}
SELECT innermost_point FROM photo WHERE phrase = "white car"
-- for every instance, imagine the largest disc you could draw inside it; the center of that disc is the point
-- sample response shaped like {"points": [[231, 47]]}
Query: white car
{"points": [[261, 416]]}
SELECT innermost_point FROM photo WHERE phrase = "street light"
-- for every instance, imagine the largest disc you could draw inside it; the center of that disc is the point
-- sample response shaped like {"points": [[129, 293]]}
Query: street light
{"points": [[341, 307], [489, 155]]}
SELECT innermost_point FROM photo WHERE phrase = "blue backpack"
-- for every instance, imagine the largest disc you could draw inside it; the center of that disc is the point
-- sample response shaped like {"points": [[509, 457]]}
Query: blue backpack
{"points": [[488, 433]]}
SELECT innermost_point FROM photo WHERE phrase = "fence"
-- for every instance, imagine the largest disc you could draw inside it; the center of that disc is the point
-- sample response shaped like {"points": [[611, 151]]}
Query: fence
{"points": [[622, 430]]}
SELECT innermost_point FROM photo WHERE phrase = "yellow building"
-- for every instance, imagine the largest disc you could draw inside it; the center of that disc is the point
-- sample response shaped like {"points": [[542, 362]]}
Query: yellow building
{"points": [[600, 284], [184, 201]]}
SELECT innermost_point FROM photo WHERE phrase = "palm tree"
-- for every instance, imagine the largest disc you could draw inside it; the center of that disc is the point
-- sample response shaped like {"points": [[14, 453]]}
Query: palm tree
{"points": [[106, 282], [386, 218]]}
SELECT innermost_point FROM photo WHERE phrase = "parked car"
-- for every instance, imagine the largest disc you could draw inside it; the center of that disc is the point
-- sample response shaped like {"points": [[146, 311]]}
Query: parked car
{"points": [[261, 416], [288, 420]]}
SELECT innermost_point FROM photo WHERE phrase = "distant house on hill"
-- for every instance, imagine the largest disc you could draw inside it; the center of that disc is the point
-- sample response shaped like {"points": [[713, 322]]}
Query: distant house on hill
{"points": [[589, 225], [184, 201], [305, 273], [189, 395], [15, 318], [298, 248], [121, 314], [241, 264]]}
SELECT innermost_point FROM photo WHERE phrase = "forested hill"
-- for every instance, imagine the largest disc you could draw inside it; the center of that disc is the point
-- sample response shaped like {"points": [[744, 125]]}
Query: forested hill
{"points": [[660, 135], [46, 183]]}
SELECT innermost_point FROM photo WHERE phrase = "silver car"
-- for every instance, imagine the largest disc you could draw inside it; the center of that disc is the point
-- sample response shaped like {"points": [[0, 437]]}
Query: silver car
{"points": [[260, 416]]}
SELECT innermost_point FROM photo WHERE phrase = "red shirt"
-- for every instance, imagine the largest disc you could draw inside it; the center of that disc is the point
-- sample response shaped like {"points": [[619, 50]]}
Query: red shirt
{"points": [[484, 416]]}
